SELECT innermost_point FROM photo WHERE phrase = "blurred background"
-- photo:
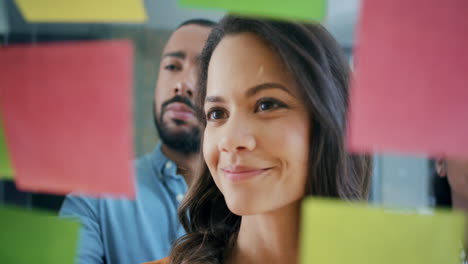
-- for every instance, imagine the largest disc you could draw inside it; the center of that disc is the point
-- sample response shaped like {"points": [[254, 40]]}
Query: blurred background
{"points": [[397, 181]]}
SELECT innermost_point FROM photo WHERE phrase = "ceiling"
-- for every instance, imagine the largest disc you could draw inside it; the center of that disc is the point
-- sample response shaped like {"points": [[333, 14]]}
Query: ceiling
{"points": [[166, 14]]}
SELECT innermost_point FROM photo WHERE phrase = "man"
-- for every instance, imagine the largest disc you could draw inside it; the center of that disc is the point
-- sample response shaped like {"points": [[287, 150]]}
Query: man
{"points": [[119, 231]]}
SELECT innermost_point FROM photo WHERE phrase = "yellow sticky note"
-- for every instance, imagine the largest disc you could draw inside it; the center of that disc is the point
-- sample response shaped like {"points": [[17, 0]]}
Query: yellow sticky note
{"points": [[337, 232], [76, 11]]}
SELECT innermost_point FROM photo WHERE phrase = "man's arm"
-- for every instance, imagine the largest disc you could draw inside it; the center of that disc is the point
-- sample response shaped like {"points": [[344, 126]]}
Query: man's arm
{"points": [[90, 249]]}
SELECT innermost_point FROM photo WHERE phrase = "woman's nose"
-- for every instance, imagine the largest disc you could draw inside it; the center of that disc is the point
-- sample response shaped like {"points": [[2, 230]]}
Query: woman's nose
{"points": [[237, 137]]}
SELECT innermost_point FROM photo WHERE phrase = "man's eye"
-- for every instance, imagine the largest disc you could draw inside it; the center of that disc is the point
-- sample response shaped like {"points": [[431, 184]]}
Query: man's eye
{"points": [[216, 114], [171, 67]]}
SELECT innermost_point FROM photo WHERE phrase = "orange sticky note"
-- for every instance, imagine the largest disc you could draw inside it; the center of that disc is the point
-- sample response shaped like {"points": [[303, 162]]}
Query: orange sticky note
{"points": [[410, 92], [67, 112]]}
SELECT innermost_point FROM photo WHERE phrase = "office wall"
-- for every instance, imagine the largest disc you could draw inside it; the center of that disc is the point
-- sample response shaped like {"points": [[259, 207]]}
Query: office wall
{"points": [[401, 181]]}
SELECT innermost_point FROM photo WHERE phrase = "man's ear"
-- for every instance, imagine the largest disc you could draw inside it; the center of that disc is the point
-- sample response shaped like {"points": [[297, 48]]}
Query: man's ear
{"points": [[441, 167]]}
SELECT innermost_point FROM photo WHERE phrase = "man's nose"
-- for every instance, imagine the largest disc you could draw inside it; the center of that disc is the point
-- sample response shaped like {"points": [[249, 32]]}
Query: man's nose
{"points": [[186, 85], [183, 89]]}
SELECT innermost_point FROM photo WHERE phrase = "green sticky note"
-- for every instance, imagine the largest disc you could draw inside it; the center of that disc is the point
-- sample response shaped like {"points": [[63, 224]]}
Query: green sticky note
{"points": [[311, 10], [340, 232], [28, 237], [6, 170]]}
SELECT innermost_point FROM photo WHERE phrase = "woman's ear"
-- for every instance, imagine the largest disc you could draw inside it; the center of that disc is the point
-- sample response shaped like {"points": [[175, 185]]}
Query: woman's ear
{"points": [[441, 167]]}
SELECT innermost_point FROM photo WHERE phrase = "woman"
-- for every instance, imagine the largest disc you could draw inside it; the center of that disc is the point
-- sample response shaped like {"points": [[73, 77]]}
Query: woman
{"points": [[454, 172], [273, 99]]}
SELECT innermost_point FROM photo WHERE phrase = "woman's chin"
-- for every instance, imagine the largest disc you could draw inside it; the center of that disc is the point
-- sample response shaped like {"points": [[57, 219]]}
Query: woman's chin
{"points": [[247, 208], [241, 209]]}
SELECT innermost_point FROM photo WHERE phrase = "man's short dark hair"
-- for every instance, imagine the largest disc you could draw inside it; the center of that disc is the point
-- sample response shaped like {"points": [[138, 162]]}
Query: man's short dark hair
{"points": [[198, 21]]}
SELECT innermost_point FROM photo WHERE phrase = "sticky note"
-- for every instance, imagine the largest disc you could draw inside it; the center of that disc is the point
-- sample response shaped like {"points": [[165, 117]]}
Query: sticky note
{"points": [[337, 232], [410, 88], [88, 11], [6, 169], [36, 237], [67, 112], [313, 10]]}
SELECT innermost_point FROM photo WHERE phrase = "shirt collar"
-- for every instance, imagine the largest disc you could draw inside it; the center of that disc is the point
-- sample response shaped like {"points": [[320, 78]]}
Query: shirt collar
{"points": [[163, 164]]}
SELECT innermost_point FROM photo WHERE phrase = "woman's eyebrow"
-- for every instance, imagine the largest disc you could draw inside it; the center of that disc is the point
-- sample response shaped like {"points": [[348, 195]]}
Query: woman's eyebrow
{"points": [[214, 99], [251, 92], [264, 86]]}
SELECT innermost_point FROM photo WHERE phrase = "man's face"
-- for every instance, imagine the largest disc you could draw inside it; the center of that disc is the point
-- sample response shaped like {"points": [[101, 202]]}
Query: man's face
{"points": [[174, 113]]}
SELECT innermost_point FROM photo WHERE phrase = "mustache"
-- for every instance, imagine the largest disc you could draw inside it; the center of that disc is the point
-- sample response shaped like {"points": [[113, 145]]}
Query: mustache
{"points": [[178, 99]]}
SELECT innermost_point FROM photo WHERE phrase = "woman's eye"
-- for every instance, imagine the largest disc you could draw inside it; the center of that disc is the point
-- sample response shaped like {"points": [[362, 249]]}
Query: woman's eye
{"points": [[266, 105], [215, 114]]}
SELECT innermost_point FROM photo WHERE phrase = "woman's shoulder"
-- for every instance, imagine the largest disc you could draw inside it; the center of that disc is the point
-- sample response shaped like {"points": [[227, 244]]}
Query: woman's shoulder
{"points": [[161, 261]]}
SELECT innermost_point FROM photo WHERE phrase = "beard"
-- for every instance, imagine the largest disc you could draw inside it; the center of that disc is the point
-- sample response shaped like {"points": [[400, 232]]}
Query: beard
{"points": [[186, 142]]}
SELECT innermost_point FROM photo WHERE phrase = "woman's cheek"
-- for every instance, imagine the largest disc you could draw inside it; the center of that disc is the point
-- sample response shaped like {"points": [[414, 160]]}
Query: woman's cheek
{"points": [[210, 150]]}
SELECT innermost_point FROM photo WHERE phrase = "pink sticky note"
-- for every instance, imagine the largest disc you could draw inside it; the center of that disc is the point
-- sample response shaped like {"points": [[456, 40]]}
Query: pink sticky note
{"points": [[68, 116], [410, 92]]}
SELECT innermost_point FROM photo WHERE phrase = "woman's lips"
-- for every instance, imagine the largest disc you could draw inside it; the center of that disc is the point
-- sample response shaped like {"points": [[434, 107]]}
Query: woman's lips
{"points": [[239, 173], [179, 111]]}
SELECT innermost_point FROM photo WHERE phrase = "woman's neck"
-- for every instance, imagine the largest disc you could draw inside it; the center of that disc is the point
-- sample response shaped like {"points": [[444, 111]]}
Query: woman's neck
{"points": [[268, 238], [459, 202]]}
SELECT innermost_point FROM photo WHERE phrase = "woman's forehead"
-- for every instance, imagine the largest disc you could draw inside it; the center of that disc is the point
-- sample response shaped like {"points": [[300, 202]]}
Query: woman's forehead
{"points": [[244, 60]]}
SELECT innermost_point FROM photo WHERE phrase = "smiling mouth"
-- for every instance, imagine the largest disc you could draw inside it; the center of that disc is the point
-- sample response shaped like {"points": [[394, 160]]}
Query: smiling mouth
{"points": [[242, 174]]}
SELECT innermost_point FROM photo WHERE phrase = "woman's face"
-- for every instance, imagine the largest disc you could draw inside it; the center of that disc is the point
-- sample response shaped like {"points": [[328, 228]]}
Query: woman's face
{"points": [[457, 173], [456, 170], [256, 141]]}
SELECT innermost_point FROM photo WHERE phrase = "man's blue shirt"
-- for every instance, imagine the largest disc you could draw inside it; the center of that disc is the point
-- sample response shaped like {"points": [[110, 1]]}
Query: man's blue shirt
{"points": [[121, 231]]}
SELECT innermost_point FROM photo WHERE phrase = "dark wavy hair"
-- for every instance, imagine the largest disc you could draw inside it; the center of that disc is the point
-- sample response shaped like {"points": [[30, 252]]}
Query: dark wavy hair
{"points": [[441, 191], [321, 71]]}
